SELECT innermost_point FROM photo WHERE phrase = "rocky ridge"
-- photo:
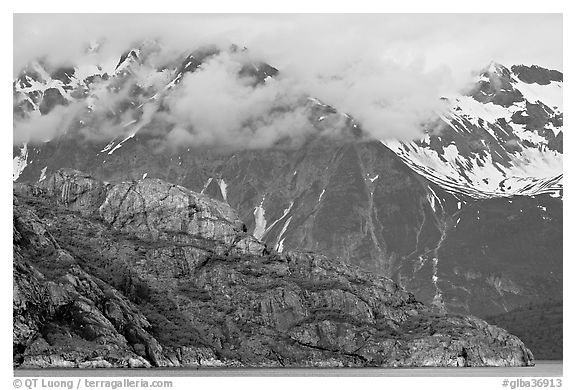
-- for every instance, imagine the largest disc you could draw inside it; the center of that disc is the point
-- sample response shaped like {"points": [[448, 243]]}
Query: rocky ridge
{"points": [[148, 273], [422, 213]]}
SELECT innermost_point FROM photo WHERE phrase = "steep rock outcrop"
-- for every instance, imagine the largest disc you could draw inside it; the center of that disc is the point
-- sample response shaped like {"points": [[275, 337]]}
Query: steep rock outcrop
{"points": [[91, 291], [149, 208], [64, 317]]}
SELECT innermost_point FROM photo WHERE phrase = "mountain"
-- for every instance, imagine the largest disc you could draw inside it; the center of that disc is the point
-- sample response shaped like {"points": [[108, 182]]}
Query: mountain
{"points": [[148, 273], [469, 218], [537, 325], [502, 138]]}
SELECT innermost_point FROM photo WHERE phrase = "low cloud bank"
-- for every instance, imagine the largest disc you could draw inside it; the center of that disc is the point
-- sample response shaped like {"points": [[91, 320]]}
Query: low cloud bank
{"points": [[387, 71]]}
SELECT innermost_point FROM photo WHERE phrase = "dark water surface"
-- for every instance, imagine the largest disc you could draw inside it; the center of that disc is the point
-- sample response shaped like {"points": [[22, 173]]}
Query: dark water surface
{"points": [[545, 368]]}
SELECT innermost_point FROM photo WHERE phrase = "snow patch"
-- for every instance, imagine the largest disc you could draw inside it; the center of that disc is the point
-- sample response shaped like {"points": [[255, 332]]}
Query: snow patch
{"points": [[109, 146], [124, 140], [531, 170], [260, 220], [284, 214], [42, 174], [20, 162], [115, 148], [206, 185], [280, 245], [473, 110], [433, 199], [551, 94], [223, 186], [437, 300], [451, 153], [556, 194]]}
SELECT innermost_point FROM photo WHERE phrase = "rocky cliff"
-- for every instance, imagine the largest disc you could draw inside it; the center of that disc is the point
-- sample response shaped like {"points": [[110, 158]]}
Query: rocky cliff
{"points": [[148, 273], [468, 218]]}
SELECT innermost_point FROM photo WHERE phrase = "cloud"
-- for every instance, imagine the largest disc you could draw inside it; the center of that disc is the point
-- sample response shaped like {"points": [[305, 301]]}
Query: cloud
{"points": [[389, 100], [387, 71], [42, 128], [316, 42], [215, 106]]}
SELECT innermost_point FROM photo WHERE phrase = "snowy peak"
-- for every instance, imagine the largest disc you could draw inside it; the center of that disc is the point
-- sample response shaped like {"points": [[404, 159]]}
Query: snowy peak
{"points": [[507, 87], [495, 86], [126, 59], [193, 60], [503, 138], [38, 89], [129, 92]]}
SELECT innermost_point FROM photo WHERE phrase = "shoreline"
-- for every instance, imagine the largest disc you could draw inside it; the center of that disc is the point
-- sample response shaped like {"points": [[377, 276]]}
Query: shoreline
{"points": [[544, 368]]}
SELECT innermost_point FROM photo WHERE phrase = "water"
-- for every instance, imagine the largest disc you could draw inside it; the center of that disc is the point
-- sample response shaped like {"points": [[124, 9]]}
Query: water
{"points": [[546, 368]]}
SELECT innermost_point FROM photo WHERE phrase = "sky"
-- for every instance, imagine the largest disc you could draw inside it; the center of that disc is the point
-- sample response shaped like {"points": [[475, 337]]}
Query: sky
{"points": [[459, 41], [387, 70]]}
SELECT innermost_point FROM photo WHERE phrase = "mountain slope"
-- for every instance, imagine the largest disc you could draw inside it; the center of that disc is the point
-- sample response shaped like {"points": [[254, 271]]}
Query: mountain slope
{"points": [[423, 213], [502, 138], [150, 273], [538, 325]]}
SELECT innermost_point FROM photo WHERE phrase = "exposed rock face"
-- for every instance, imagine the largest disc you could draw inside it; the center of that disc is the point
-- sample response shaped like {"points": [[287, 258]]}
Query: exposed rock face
{"points": [[149, 208], [75, 189], [68, 318], [127, 275], [536, 74], [359, 202], [422, 213]]}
